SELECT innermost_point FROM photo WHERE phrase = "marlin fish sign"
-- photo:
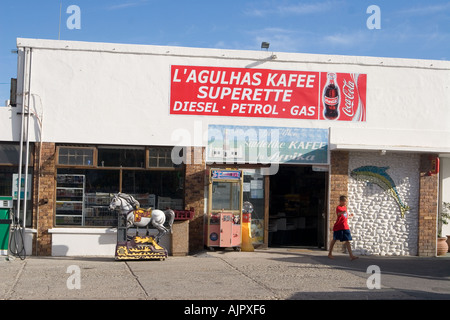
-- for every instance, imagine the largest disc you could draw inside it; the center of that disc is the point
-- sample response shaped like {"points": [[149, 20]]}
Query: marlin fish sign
{"points": [[378, 176]]}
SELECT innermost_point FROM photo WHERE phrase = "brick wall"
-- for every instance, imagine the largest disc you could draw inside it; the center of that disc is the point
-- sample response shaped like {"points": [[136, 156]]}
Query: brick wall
{"points": [[180, 238], [338, 186], [194, 186], [428, 206], [43, 218]]}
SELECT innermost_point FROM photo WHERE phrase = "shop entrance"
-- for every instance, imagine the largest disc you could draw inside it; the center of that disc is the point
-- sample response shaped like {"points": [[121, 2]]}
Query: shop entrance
{"points": [[297, 206]]}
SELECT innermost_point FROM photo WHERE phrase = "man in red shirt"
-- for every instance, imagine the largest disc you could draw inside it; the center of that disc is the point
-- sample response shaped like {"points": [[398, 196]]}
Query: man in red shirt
{"points": [[341, 230]]}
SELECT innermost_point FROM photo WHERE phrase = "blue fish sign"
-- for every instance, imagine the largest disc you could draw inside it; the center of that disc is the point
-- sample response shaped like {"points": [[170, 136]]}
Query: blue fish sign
{"points": [[379, 176]]}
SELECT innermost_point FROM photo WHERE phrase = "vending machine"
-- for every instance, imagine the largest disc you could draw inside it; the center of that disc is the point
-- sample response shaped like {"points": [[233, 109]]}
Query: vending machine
{"points": [[223, 227]]}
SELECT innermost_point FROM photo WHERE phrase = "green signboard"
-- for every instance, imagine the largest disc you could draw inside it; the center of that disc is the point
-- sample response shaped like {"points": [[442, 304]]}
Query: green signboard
{"points": [[267, 145]]}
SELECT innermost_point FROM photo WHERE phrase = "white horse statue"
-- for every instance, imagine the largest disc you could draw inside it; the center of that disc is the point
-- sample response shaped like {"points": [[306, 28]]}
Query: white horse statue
{"points": [[139, 217]]}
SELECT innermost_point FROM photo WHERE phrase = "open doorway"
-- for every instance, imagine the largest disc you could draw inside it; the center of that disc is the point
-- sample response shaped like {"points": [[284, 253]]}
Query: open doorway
{"points": [[297, 207]]}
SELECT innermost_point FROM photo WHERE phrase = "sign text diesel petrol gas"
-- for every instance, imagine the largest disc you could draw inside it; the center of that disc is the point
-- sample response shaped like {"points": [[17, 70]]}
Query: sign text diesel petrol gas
{"points": [[242, 92]]}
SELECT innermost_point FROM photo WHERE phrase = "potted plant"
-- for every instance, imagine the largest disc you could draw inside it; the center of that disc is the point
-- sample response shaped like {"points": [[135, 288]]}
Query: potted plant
{"points": [[443, 218]]}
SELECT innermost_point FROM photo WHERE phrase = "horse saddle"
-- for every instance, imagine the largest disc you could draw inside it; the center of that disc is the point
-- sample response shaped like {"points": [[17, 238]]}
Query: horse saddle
{"points": [[142, 213]]}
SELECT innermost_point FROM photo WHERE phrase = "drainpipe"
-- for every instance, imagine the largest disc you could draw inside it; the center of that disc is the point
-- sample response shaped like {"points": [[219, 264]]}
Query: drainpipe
{"points": [[19, 178], [27, 149], [25, 101]]}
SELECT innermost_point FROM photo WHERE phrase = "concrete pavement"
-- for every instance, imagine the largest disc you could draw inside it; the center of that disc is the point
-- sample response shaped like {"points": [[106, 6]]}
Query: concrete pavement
{"points": [[270, 274]]}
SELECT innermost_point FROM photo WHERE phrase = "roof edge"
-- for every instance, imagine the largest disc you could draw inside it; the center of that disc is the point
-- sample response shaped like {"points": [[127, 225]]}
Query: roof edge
{"points": [[144, 49]]}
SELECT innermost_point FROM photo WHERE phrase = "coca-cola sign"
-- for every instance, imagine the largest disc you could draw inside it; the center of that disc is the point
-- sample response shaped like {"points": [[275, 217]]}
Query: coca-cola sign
{"points": [[243, 92], [353, 101], [348, 90]]}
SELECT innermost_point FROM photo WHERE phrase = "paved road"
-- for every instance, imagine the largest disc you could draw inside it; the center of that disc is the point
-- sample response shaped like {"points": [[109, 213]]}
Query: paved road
{"points": [[272, 274]]}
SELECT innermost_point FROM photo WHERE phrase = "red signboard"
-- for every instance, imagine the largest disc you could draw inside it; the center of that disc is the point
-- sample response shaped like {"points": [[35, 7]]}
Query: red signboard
{"points": [[242, 92]]}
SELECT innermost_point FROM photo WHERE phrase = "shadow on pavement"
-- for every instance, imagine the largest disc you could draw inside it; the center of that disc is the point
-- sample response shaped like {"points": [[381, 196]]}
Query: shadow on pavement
{"points": [[360, 294], [433, 268]]}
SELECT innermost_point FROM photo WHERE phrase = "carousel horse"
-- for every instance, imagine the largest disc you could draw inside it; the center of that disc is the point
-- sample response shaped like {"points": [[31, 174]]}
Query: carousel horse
{"points": [[139, 217]]}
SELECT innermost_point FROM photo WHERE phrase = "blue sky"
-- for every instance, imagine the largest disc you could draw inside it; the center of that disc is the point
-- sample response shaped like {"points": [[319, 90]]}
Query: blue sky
{"points": [[415, 29]]}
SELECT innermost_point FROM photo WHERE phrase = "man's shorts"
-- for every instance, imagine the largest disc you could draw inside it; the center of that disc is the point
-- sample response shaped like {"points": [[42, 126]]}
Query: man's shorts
{"points": [[342, 235]]}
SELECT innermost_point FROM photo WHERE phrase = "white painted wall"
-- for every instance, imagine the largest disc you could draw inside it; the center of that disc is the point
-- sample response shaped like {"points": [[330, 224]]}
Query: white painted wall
{"points": [[377, 227], [119, 94], [93, 241], [27, 241], [444, 175]]}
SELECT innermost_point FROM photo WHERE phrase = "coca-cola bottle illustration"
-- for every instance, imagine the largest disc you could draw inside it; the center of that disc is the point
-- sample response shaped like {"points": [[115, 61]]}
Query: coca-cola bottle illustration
{"points": [[331, 97]]}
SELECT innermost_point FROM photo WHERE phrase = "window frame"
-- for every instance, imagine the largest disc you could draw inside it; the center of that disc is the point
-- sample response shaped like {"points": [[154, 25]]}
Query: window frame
{"points": [[112, 147], [94, 157], [147, 160], [95, 164], [121, 170], [30, 155]]}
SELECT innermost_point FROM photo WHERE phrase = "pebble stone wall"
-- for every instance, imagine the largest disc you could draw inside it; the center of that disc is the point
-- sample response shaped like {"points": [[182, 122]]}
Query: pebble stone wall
{"points": [[377, 227]]}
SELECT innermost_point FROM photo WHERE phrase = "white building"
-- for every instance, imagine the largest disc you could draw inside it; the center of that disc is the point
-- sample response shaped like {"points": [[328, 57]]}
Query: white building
{"points": [[110, 115]]}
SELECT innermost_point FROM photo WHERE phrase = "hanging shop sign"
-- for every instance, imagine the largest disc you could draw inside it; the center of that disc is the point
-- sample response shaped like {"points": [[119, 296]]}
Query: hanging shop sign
{"points": [[244, 92], [266, 145], [226, 174]]}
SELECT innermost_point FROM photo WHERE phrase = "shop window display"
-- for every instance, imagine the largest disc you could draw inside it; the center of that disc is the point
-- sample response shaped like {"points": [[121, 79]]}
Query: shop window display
{"points": [[83, 195], [156, 189]]}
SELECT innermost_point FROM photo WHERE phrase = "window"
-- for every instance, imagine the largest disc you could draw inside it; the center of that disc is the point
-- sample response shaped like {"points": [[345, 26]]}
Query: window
{"points": [[83, 197], [87, 177], [7, 174], [155, 188], [9, 154], [160, 157], [121, 157], [69, 199], [76, 156]]}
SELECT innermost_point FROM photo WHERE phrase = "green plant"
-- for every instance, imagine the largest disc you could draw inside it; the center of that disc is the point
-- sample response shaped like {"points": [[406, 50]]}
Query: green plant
{"points": [[444, 217]]}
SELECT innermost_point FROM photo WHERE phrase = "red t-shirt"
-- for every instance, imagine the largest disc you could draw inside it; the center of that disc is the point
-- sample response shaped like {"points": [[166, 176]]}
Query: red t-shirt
{"points": [[341, 221]]}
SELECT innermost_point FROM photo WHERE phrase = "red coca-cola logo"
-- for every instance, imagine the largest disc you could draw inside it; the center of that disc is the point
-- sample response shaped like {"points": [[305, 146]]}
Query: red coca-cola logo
{"points": [[331, 101], [348, 90]]}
